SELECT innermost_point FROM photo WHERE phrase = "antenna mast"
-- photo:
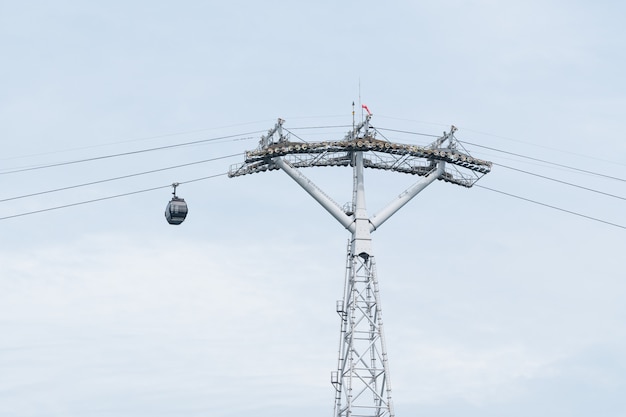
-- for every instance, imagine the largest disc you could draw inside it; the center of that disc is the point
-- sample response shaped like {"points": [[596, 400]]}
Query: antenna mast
{"points": [[362, 380]]}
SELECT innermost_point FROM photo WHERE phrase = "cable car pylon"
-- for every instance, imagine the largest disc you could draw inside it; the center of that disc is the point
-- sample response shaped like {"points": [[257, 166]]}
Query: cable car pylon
{"points": [[362, 379]]}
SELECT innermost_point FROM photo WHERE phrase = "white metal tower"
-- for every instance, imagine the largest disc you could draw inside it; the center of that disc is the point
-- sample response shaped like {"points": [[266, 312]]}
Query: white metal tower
{"points": [[362, 381]]}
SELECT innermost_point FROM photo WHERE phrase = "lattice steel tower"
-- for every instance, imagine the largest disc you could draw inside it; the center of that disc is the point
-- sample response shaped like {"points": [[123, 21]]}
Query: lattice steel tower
{"points": [[362, 381]]}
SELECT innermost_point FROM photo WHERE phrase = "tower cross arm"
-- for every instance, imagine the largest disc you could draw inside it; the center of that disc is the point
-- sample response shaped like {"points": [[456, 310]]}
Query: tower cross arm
{"points": [[383, 215], [331, 206]]}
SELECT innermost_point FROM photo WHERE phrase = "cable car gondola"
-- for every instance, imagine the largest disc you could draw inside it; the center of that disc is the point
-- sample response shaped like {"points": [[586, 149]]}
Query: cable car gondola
{"points": [[176, 209]]}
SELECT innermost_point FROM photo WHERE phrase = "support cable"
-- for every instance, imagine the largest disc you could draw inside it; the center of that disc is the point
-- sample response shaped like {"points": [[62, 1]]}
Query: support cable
{"points": [[521, 156], [547, 162], [559, 181], [381, 134], [109, 197], [164, 135], [514, 154], [317, 127], [117, 178], [293, 134], [320, 127], [96, 158], [552, 207], [500, 137], [228, 156], [546, 147], [409, 133]]}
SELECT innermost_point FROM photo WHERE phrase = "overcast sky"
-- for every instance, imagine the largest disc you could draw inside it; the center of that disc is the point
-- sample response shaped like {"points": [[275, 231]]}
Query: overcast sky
{"points": [[493, 305]]}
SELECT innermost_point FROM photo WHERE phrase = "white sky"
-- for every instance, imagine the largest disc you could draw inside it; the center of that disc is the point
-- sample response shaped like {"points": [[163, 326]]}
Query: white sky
{"points": [[493, 306]]}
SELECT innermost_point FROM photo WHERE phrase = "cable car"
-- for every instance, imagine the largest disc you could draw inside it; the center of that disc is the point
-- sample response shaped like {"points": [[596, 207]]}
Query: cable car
{"points": [[176, 210]]}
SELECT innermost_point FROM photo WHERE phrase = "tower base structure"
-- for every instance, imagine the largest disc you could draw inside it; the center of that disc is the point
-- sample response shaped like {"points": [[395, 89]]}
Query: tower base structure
{"points": [[361, 381]]}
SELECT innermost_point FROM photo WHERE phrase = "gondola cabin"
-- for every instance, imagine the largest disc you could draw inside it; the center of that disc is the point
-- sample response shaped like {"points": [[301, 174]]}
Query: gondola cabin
{"points": [[176, 211]]}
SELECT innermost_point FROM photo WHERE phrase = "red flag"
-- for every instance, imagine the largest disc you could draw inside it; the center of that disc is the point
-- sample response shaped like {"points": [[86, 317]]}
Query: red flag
{"points": [[366, 109]]}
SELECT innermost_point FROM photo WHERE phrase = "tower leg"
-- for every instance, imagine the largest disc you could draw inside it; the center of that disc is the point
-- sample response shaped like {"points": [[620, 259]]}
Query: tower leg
{"points": [[362, 380]]}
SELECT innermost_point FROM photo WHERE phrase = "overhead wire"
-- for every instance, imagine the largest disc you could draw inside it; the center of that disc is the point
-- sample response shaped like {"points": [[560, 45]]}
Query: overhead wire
{"points": [[118, 178], [97, 158], [381, 134], [553, 180], [560, 181], [408, 132], [543, 177], [106, 198], [510, 153], [290, 132], [186, 132], [319, 127], [546, 147], [293, 134], [529, 158], [222, 174], [503, 137], [547, 162], [551, 206]]}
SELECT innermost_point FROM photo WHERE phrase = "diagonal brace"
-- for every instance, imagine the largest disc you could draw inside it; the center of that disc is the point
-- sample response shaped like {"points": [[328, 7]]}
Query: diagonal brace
{"points": [[331, 206], [382, 216]]}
